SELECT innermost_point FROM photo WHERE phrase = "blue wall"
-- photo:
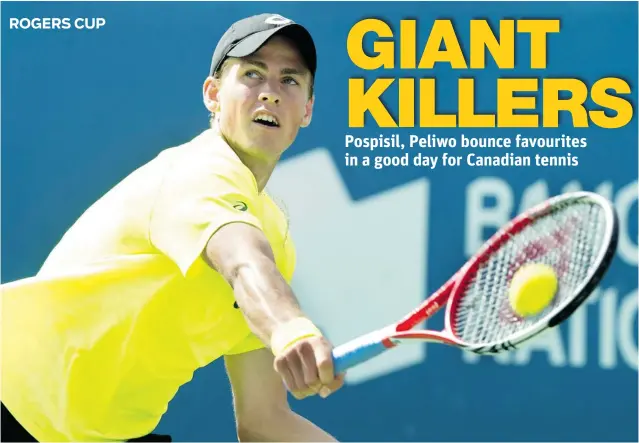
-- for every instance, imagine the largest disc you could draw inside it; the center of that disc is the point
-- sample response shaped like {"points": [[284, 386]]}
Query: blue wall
{"points": [[81, 109]]}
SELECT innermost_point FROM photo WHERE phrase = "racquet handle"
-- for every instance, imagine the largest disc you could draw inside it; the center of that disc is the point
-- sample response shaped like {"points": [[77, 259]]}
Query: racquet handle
{"points": [[359, 350]]}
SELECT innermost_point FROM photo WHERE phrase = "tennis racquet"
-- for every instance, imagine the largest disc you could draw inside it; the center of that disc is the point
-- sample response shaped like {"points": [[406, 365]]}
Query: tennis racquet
{"points": [[575, 233]]}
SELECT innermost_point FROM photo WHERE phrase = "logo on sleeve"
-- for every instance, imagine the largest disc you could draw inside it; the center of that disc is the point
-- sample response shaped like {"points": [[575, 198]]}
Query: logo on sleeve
{"points": [[240, 206]]}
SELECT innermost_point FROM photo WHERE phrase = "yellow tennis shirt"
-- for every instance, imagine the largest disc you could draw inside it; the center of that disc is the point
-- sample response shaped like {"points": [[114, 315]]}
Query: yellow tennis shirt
{"points": [[124, 310]]}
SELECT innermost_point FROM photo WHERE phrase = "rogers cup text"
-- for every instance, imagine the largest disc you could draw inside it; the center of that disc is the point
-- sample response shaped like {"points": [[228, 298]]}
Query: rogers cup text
{"points": [[56, 23]]}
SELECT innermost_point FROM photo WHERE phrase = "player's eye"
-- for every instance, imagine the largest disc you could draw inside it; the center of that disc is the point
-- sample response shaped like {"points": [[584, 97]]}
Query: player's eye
{"points": [[252, 74], [290, 81]]}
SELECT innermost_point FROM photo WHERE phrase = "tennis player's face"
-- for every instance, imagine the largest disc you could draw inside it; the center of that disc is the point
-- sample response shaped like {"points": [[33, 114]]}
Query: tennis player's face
{"points": [[264, 99]]}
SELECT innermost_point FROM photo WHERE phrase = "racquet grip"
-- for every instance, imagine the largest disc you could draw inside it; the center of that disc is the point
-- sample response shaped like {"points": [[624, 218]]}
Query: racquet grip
{"points": [[358, 351]]}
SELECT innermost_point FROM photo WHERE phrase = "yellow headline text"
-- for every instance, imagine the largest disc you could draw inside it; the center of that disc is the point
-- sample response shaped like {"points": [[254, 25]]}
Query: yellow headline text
{"points": [[417, 96]]}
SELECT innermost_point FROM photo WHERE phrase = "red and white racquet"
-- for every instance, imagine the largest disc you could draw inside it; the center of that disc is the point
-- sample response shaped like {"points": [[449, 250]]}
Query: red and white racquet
{"points": [[575, 233]]}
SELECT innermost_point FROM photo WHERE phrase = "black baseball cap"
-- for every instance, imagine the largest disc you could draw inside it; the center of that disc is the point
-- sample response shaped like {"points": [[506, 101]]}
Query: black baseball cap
{"points": [[246, 36]]}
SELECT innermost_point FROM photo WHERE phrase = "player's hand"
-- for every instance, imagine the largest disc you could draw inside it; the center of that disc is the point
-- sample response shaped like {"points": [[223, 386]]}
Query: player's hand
{"points": [[306, 367]]}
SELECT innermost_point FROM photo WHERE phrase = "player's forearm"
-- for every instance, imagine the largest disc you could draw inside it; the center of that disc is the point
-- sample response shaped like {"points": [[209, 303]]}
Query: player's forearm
{"points": [[265, 298], [244, 257], [286, 426]]}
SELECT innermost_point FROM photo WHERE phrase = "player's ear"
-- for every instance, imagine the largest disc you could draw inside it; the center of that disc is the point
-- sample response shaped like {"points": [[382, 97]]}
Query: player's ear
{"points": [[308, 112], [210, 93]]}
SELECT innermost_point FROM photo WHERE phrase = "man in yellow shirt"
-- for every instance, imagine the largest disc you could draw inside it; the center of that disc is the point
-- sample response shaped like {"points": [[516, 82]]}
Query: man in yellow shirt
{"points": [[185, 261]]}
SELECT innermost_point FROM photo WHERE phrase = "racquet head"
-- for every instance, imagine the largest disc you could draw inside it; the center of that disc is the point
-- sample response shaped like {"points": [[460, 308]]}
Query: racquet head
{"points": [[576, 234]]}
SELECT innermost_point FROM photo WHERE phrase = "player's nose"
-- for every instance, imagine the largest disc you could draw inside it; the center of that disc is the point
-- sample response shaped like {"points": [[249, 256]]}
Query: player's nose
{"points": [[270, 92], [270, 97]]}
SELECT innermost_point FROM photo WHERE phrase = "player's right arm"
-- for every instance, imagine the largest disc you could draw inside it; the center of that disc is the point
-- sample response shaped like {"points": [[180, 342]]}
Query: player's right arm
{"points": [[242, 255], [262, 412]]}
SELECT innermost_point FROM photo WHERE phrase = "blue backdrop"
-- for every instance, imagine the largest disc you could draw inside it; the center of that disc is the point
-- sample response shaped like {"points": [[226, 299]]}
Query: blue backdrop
{"points": [[83, 108]]}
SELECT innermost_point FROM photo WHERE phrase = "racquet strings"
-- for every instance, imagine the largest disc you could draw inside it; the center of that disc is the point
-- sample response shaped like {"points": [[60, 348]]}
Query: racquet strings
{"points": [[569, 239]]}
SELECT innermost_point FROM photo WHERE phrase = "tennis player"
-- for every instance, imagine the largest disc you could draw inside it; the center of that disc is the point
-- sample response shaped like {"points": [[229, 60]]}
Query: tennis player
{"points": [[185, 261]]}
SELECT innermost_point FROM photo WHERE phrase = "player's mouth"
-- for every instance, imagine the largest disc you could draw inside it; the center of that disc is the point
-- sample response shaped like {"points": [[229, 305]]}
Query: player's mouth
{"points": [[266, 119]]}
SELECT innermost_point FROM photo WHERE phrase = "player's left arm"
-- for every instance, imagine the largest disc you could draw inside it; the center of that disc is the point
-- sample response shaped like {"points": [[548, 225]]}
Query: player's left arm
{"points": [[262, 411]]}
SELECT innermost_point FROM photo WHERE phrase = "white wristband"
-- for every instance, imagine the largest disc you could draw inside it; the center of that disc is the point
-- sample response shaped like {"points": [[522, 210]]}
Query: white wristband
{"points": [[292, 331]]}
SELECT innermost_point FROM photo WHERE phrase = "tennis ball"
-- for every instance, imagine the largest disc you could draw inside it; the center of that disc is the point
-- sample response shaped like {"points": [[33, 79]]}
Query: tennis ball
{"points": [[532, 288]]}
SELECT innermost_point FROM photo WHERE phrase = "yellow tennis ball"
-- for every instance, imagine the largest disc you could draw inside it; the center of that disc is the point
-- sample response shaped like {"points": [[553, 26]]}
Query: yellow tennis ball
{"points": [[532, 288]]}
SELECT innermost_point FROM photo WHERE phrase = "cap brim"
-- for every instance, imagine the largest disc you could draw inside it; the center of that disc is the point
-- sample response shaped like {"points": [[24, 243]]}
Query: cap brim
{"points": [[255, 41]]}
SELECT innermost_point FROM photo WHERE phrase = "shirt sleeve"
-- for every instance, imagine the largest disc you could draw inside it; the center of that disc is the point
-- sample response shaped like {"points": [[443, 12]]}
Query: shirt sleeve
{"points": [[197, 198]]}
